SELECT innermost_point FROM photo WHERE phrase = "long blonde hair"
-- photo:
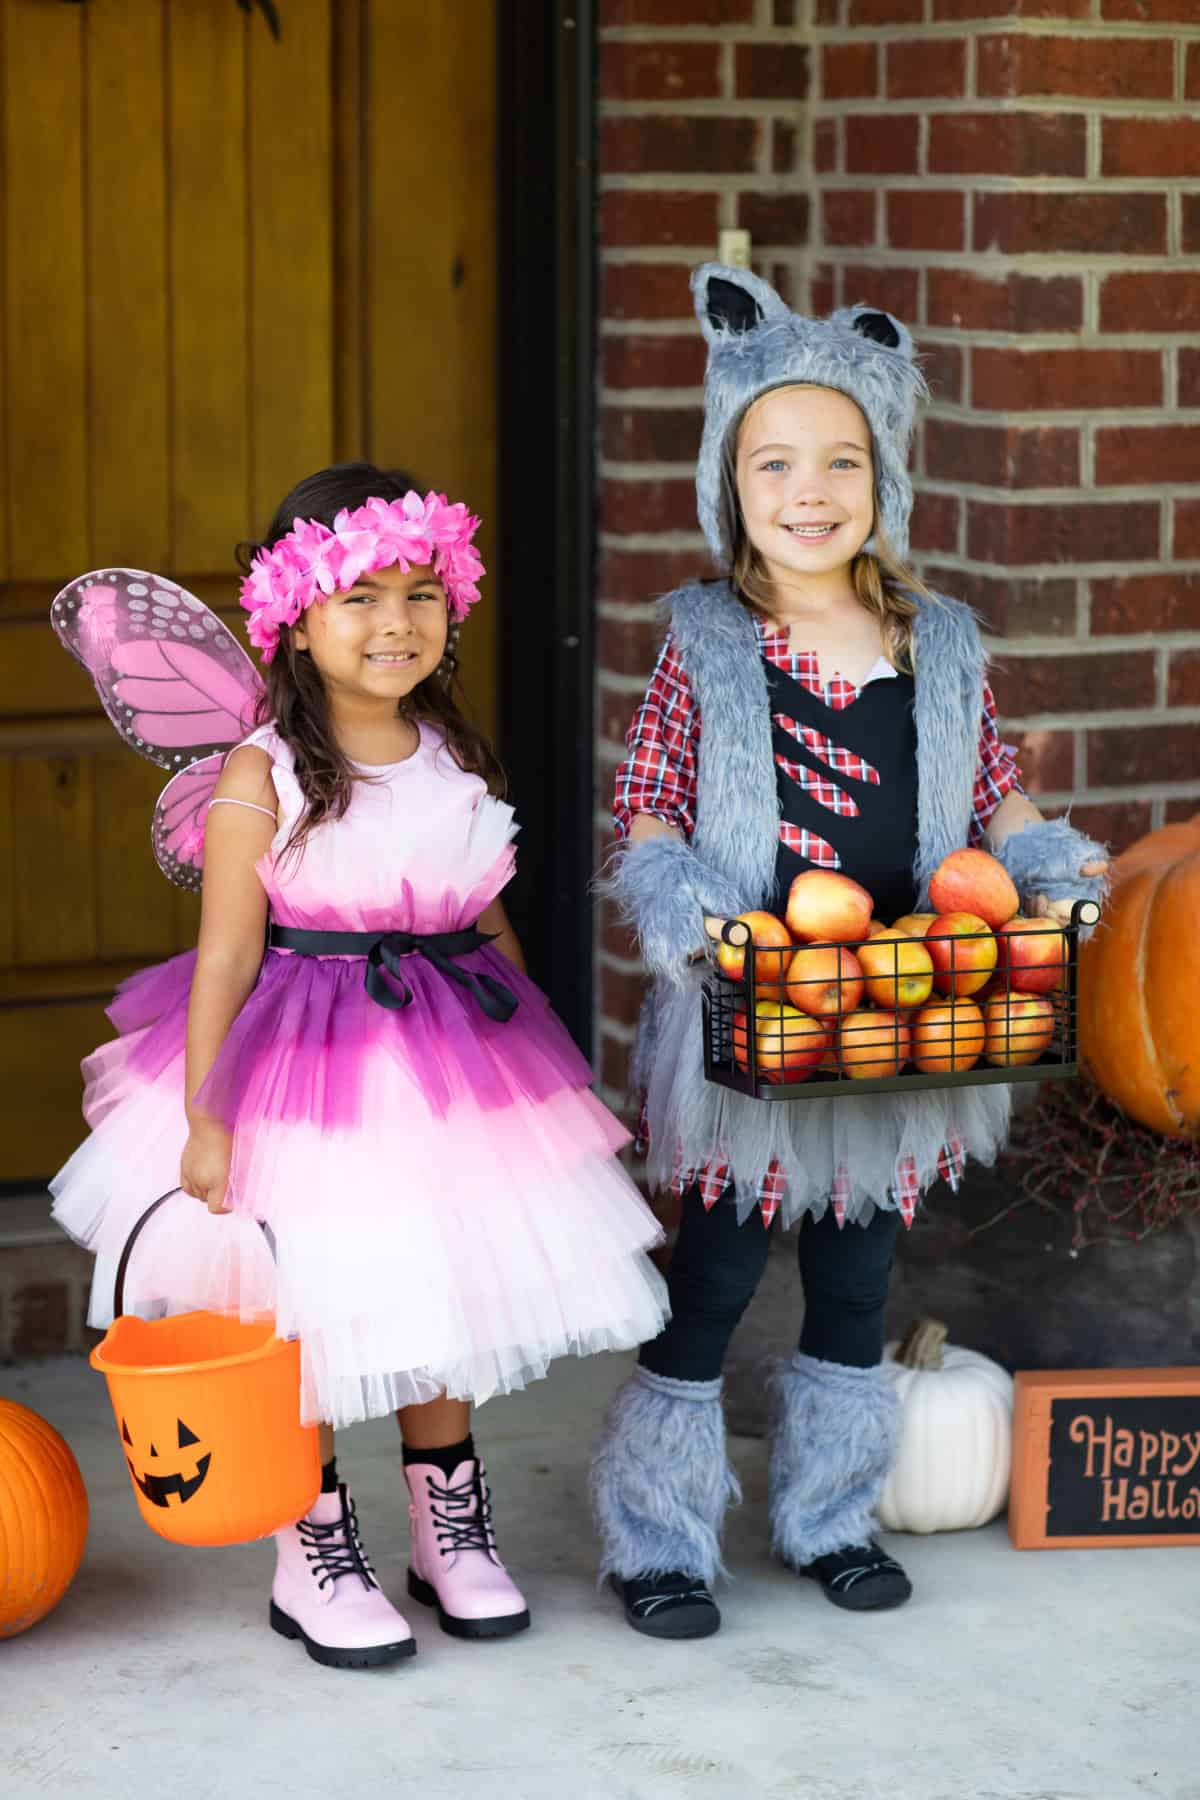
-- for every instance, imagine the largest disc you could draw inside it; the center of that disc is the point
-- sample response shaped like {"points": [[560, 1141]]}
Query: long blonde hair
{"points": [[885, 584]]}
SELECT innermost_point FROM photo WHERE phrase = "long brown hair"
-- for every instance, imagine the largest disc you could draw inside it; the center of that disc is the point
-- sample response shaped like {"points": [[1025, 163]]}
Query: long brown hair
{"points": [[294, 699], [884, 583]]}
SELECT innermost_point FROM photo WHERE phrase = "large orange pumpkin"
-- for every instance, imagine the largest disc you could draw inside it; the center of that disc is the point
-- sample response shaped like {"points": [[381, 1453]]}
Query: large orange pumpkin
{"points": [[43, 1518], [1139, 983]]}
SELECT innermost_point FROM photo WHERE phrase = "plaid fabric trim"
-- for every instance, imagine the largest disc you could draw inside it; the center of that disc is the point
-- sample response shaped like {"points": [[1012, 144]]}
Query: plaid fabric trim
{"points": [[714, 1179], [836, 756], [807, 844]]}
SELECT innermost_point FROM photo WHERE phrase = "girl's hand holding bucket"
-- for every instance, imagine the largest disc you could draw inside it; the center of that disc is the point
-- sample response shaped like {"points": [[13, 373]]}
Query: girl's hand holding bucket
{"points": [[204, 1165]]}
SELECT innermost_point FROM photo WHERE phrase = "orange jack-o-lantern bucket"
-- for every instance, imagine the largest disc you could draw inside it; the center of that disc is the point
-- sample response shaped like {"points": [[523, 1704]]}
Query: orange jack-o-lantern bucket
{"points": [[208, 1411]]}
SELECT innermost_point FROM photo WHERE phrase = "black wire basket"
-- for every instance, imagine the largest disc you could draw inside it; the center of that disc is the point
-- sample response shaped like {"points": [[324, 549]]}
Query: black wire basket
{"points": [[809, 1021]]}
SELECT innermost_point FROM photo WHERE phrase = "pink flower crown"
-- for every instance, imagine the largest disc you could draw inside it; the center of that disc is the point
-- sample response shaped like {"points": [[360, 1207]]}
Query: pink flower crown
{"points": [[312, 561]]}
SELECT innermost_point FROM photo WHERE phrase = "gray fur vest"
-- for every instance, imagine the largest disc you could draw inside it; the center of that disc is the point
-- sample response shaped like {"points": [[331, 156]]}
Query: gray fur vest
{"points": [[665, 888], [737, 810]]}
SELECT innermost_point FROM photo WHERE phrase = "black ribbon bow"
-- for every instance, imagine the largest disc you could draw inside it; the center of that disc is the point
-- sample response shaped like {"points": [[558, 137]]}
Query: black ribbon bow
{"points": [[384, 951]]}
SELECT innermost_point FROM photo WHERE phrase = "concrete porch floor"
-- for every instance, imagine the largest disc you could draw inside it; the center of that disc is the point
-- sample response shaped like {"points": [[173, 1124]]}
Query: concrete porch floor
{"points": [[1060, 1676]]}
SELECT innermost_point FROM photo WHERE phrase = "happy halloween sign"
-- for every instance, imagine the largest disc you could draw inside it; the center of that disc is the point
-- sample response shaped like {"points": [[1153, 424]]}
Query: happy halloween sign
{"points": [[1106, 1457]]}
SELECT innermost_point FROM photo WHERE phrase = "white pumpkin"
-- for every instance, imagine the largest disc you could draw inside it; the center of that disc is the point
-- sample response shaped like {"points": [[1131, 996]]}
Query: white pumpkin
{"points": [[955, 1456]]}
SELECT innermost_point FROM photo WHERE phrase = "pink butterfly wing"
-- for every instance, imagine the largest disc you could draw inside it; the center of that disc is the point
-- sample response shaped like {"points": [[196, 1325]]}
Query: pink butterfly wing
{"points": [[177, 830], [172, 678]]}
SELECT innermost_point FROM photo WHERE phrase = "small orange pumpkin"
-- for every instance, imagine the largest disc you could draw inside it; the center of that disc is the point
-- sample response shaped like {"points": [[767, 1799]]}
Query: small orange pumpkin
{"points": [[43, 1518], [1139, 977]]}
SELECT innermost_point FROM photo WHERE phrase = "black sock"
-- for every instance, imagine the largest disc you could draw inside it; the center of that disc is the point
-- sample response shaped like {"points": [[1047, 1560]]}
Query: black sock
{"points": [[446, 1458], [329, 1480]]}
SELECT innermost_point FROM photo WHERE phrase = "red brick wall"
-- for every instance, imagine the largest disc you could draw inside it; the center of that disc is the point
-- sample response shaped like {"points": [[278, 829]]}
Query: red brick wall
{"points": [[1018, 179]]}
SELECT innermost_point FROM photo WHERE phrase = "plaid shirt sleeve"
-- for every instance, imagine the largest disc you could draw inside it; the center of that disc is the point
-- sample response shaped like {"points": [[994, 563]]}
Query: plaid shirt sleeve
{"points": [[997, 773], [658, 775]]}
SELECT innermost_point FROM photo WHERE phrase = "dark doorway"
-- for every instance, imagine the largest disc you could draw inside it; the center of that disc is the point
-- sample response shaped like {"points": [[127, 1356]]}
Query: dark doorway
{"points": [[546, 484]]}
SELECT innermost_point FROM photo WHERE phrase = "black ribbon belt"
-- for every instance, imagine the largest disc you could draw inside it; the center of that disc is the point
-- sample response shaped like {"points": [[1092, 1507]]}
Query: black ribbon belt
{"points": [[384, 950]]}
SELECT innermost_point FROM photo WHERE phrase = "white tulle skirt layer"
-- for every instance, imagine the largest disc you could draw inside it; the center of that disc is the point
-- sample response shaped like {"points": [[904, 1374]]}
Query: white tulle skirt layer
{"points": [[454, 1254]]}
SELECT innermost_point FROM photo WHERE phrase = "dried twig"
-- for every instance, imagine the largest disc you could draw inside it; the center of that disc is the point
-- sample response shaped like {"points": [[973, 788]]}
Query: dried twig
{"points": [[1085, 1160]]}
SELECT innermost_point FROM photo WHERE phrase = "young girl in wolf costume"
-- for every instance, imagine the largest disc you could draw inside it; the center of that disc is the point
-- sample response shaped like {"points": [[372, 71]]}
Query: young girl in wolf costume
{"points": [[817, 709]]}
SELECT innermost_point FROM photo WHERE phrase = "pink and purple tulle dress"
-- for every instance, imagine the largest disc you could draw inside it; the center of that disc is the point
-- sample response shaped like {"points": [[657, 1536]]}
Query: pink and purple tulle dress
{"points": [[440, 1185]]}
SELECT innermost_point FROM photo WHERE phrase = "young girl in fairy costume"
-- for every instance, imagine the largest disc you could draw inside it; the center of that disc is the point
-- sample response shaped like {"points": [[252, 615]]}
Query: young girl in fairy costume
{"points": [[382, 1086], [817, 709]]}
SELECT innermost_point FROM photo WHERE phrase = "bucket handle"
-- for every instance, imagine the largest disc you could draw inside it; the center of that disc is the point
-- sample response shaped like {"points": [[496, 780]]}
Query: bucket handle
{"points": [[131, 1240]]}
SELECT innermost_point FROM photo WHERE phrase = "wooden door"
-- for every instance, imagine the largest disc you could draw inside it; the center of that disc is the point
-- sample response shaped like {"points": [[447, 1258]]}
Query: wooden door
{"points": [[226, 261]]}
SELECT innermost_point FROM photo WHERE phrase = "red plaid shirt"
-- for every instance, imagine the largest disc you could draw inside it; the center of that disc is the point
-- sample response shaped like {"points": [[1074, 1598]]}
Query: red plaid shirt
{"points": [[659, 777]]}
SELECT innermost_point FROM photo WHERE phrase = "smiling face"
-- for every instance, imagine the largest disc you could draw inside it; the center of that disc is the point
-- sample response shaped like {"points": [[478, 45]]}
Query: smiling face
{"points": [[380, 638], [805, 481], [162, 1478]]}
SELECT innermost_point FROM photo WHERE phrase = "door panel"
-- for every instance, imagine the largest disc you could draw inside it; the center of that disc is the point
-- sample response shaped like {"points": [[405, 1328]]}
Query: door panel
{"points": [[128, 395], [45, 352], [290, 187]]}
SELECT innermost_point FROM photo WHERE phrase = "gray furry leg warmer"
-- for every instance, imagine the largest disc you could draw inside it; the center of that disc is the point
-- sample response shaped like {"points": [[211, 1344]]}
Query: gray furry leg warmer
{"points": [[660, 1479], [1046, 857], [835, 1435]]}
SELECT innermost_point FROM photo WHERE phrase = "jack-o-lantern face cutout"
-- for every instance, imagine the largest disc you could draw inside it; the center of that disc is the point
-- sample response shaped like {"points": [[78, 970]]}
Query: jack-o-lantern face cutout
{"points": [[159, 1487]]}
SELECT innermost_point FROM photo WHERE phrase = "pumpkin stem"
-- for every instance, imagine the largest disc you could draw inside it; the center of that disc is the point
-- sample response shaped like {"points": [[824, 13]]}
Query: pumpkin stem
{"points": [[921, 1345]]}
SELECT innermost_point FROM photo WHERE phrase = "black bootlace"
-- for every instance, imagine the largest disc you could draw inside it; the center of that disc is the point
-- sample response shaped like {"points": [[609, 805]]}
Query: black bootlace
{"points": [[337, 1548], [471, 1533]]}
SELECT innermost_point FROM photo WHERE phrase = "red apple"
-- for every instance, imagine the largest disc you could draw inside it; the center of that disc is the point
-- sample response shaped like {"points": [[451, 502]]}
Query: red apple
{"points": [[771, 939], [963, 951], [914, 925], [1018, 1028], [948, 1037], [971, 881], [1032, 955], [874, 1045], [824, 980], [788, 1045], [899, 970], [828, 908]]}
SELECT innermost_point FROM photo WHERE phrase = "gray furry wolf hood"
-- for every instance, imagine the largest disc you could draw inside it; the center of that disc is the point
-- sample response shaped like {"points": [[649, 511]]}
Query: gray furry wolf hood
{"points": [[756, 344]]}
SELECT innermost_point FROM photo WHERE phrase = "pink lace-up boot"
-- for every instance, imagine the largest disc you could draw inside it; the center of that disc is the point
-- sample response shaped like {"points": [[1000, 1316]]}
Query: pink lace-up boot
{"points": [[325, 1591], [454, 1565]]}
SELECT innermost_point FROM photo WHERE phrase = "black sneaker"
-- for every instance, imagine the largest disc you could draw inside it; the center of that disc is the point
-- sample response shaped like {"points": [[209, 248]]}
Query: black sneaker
{"points": [[673, 1605], [862, 1578]]}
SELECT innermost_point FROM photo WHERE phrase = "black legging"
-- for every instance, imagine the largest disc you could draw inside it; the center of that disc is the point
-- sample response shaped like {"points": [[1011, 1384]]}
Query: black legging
{"points": [[717, 1265]]}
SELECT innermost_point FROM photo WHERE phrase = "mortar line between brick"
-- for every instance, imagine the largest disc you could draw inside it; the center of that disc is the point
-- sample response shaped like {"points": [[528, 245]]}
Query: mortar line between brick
{"points": [[1118, 719], [1119, 571], [624, 965], [815, 36]]}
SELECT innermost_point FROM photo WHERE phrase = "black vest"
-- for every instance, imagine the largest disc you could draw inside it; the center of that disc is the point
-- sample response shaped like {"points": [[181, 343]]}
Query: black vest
{"points": [[878, 846]]}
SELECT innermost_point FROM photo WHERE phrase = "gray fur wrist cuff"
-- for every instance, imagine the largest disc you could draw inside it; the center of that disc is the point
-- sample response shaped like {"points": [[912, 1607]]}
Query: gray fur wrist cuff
{"points": [[663, 891], [1046, 857]]}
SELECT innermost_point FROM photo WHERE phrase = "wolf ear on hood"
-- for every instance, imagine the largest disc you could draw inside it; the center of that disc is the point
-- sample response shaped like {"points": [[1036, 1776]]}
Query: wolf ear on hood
{"points": [[731, 302], [878, 327]]}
